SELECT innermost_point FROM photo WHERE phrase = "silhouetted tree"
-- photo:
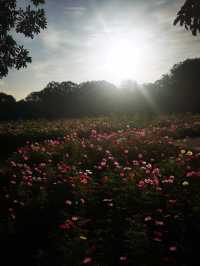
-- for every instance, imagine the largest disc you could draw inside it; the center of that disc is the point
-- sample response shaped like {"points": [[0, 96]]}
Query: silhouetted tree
{"points": [[55, 100], [73, 100], [129, 85], [7, 106], [98, 98], [189, 16], [28, 21], [186, 77], [164, 93], [6, 99], [52, 91], [179, 91]]}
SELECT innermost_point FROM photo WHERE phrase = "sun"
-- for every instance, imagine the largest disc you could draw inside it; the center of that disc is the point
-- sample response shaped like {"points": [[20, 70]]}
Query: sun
{"points": [[125, 59], [119, 55]]}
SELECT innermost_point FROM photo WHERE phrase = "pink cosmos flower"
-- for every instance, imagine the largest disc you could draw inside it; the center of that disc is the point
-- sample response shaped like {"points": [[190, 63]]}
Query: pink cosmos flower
{"points": [[126, 151], [136, 163], [82, 200], [140, 155], [141, 184], [74, 218], [94, 132], [148, 166], [25, 158], [172, 248], [13, 163], [172, 201], [156, 181], [148, 218], [123, 258], [158, 239], [103, 163], [159, 222], [68, 202], [63, 226], [87, 260]]}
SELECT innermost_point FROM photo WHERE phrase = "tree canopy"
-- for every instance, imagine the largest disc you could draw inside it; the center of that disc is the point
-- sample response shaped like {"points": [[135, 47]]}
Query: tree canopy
{"points": [[177, 91], [6, 99], [28, 21], [189, 16]]}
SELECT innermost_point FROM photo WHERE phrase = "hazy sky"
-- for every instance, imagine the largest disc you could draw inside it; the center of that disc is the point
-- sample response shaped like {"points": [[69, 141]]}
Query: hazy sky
{"points": [[103, 40]]}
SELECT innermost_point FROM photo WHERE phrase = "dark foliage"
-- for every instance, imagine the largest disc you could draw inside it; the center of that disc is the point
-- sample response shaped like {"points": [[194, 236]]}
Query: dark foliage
{"points": [[177, 91], [28, 21], [189, 16]]}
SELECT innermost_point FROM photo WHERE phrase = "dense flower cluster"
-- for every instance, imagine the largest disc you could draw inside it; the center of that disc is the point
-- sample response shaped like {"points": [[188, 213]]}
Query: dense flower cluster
{"points": [[106, 193]]}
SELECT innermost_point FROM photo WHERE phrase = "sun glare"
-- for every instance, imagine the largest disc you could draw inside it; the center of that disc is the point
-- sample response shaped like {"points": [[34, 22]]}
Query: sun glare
{"points": [[125, 56], [125, 60]]}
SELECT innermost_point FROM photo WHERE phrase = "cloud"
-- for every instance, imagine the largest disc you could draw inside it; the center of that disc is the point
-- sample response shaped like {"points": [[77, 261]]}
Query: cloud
{"points": [[2, 83], [58, 39], [74, 10], [51, 38], [4, 87]]}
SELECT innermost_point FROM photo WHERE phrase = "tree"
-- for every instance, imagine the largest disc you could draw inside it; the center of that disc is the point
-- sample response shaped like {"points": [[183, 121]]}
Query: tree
{"points": [[7, 106], [13, 19], [6, 99], [179, 91], [189, 16], [129, 85], [53, 90]]}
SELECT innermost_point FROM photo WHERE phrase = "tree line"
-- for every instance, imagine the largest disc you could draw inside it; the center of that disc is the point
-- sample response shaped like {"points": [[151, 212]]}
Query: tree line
{"points": [[176, 92]]}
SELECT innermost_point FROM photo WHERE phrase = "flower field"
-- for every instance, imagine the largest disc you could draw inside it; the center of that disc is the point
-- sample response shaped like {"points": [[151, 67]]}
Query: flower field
{"points": [[102, 192]]}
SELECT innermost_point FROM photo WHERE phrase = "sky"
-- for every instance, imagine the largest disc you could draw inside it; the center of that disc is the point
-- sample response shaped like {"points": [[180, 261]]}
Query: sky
{"points": [[109, 40]]}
